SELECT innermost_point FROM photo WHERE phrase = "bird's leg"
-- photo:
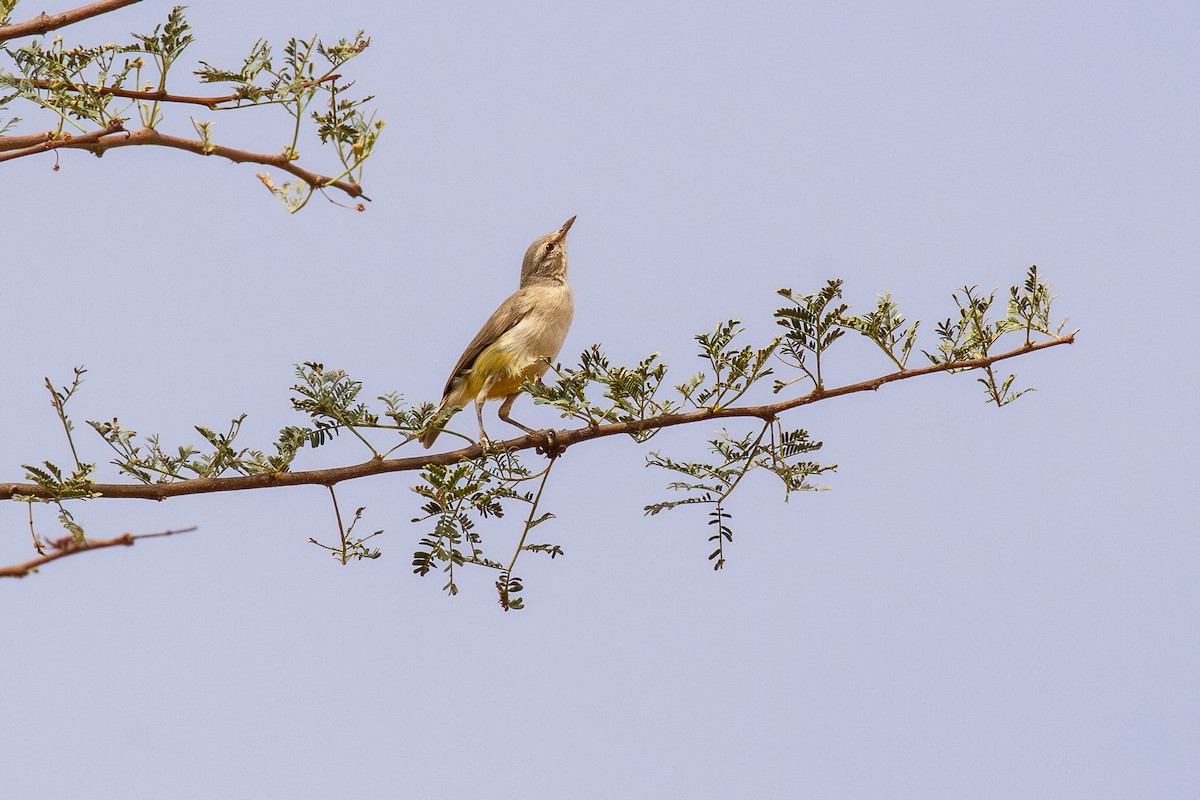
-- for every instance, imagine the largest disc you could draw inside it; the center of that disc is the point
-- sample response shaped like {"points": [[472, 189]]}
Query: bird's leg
{"points": [[480, 399], [506, 406]]}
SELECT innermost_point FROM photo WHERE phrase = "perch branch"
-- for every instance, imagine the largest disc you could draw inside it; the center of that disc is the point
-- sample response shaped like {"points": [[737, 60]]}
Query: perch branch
{"points": [[562, 439]]}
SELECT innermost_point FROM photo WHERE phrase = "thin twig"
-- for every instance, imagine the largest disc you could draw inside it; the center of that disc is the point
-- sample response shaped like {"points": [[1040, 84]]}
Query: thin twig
{"points": [[563, 439], [59, 403], [44, 23], [529, 520], [341, 528], [68, 547], [752, 455], [506, 583], [37, 543]]}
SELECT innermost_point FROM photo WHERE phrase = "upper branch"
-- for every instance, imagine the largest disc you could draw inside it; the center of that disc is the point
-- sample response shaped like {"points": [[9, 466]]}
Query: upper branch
{"points": [[116, 135], [562, 439], [44, 23], [211, 102]]}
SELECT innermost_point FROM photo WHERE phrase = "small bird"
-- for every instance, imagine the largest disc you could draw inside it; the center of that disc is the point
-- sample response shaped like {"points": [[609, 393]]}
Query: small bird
{"points": [[517, 341]]}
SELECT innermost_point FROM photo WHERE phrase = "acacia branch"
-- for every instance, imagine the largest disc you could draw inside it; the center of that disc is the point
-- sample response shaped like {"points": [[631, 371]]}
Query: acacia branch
{"points": [[23, 141], [560, 440], [116, 135], [44, 23], [167, 97], [20, 146], [69, 547]]}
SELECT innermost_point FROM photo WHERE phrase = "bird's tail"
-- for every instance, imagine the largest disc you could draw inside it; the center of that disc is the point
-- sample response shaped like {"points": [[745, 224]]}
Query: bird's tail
{"points": [[436, 423]]}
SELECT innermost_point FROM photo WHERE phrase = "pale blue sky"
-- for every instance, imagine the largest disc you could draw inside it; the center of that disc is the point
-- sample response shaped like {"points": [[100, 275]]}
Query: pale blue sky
{"points": [[989, 604]]}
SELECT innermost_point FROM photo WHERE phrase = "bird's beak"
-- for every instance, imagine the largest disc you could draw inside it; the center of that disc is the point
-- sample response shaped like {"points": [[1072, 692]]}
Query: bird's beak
{"points": [[562, 232]]}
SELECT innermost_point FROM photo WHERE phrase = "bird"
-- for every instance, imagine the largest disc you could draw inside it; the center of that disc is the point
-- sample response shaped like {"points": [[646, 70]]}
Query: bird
{"points": [[517, 342]]}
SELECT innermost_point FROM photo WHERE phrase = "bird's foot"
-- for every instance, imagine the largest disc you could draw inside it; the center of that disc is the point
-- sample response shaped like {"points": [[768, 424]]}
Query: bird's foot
{"points": [[551, 447]]}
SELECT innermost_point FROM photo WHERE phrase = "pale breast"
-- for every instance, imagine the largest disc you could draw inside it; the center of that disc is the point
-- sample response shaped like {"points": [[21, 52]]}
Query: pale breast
{"points": [[544, 329]]}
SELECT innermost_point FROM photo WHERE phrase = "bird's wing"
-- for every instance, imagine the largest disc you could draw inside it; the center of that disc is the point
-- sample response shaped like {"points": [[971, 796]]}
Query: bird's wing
{"points": [[510, 312]]}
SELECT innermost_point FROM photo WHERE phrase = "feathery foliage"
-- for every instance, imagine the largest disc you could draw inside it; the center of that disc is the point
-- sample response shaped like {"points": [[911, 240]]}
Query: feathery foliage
{"points": [[463, 501], [91, 89]]}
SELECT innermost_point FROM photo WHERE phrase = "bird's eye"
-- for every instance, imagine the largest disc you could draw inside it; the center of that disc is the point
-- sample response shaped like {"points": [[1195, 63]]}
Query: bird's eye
{"points": [[550, 247]]}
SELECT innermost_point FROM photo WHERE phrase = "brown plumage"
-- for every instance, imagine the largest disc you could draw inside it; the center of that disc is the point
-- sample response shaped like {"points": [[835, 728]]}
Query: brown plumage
{"points": [[513, 345]]}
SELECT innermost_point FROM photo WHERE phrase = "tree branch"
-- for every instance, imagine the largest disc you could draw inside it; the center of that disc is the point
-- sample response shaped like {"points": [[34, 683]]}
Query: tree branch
{"points": [[43, 142], [44, 23], [23, 141], [561, 440], [166, 97], [68, 547], [116, 135]]}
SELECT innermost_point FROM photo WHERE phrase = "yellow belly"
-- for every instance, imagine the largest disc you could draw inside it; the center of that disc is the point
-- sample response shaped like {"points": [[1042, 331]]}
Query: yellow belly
{"points": [[511, 366]]}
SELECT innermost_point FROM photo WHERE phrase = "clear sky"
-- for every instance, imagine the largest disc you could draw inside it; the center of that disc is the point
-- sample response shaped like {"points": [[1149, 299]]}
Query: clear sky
{"points": [[988, 604]]}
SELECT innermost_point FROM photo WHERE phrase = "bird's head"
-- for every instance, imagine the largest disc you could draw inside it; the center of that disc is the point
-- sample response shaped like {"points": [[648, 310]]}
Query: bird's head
{"points": [[546, 258]]}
